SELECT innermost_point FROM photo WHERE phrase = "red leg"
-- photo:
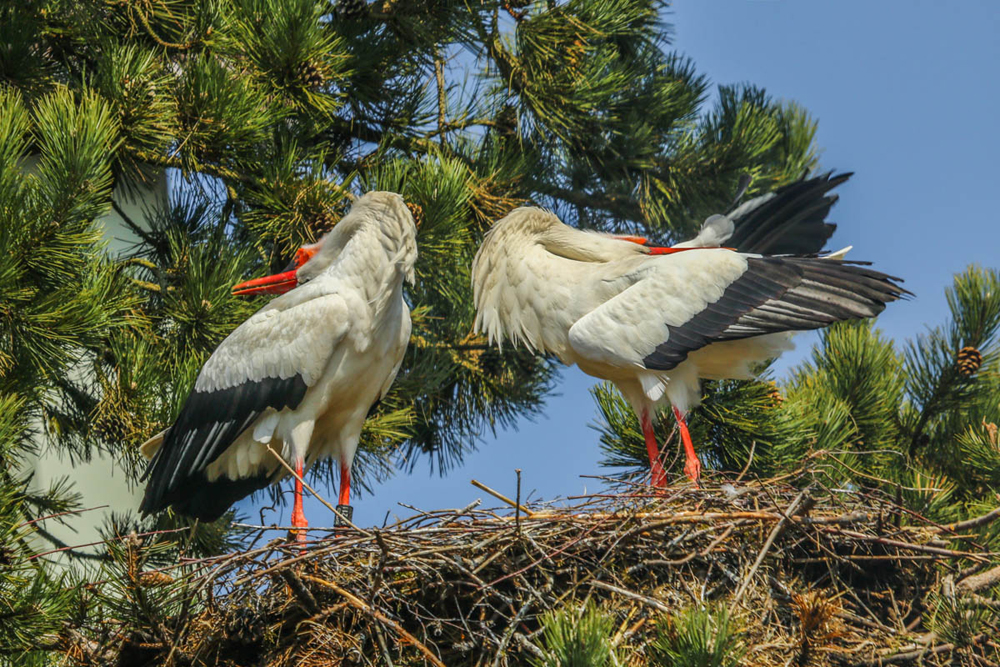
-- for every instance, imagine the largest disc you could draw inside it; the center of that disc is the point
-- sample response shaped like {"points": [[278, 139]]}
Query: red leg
{"points": [[345, 484], [659, 476], [345, 513], [298, 516], [693, 466]]}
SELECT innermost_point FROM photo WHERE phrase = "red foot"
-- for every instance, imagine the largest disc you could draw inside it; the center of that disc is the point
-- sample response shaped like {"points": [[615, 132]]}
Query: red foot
{"points": [[692, 468]]}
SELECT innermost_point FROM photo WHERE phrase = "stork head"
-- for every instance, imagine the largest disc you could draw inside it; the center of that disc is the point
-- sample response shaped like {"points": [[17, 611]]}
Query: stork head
{"points": [[279, 283], [377, 220]]}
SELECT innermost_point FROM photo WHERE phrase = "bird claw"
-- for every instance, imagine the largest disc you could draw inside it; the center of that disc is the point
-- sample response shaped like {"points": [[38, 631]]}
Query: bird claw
{"points": [[299, 526], [693, 470]]}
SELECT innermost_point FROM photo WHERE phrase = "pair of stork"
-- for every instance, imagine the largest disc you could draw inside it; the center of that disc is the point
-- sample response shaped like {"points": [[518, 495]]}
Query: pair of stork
{"points": [[297, 379]]}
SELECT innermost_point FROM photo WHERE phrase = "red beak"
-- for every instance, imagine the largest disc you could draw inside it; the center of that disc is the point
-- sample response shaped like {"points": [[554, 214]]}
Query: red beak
{"points": [[279, 283], [657, 250]]}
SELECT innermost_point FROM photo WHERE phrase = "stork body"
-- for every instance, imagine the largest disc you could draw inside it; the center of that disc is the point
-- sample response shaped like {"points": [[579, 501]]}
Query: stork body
{"points": [[299, 376], [654, 321]]}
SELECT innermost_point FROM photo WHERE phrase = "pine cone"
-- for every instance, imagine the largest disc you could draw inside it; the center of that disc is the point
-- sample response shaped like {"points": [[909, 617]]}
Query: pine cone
{"points": [[7, 555], [506, 122], [775, 395], [969, 360], [111, 427], [153, 579], [352, 9], [417, 212], [310, 75], [323, 221]]}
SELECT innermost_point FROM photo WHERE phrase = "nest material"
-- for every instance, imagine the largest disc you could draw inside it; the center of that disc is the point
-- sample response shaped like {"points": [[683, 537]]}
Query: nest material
{"points": [[812, 575]]}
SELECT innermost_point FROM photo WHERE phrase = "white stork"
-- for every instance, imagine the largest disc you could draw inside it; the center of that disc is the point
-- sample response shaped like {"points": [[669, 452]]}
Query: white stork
{"points": [[299, 375], [655, 320]]}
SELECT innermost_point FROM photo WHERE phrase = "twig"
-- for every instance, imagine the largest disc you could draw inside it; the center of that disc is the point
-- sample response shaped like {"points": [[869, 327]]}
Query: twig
{"points": [[315, 494], [517, 505], [360, 605], [509, 632], [972, 523], [58, 514], [777, 530], [907, 545], [980, 581], [500, 496], [303, 594], [442, 95], [753, 448], [656, 604], [922, 652]]}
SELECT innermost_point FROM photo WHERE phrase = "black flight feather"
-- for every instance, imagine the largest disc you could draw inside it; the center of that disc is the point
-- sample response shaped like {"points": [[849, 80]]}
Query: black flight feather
{"points": [[792, 222], [780, 294], [208, 424]]}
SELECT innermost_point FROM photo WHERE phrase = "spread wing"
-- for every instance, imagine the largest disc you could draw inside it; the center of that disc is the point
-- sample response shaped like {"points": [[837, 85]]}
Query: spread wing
{"points": [[789, 221], [269, 361], [685, 301]]}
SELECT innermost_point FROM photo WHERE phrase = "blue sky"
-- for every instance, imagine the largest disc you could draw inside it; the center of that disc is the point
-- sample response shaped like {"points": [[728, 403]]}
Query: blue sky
{"points": [[907, 95]]}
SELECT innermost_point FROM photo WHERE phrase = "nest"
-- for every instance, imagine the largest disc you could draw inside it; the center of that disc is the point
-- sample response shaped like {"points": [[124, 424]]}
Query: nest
{"points": [[812, 575]]}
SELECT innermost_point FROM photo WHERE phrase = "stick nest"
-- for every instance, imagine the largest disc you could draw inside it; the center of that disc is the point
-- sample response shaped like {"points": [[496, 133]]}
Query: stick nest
{"points": [[811, 575]]}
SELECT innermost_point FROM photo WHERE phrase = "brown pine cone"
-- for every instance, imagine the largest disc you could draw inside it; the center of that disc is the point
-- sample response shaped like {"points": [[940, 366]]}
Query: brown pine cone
{"points": [[969, 360], [775, 395], [506, 121], [310, 75], [352, 9], [417, 212], [323, 221]]}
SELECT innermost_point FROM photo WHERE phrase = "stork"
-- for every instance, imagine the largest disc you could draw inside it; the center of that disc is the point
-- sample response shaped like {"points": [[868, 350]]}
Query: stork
{"points": [[654, 321], [299, 376]]}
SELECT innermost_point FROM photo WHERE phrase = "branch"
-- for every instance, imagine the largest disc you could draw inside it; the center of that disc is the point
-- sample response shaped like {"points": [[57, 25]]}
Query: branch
{"points": [[159, 40], [802, 498], [442, 95], [131, 223], [361, 605], [972, 523], [625, 207]]}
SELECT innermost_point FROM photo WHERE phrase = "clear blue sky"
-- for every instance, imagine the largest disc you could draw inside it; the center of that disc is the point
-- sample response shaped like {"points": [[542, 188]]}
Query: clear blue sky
{"points": [[907, 95]]}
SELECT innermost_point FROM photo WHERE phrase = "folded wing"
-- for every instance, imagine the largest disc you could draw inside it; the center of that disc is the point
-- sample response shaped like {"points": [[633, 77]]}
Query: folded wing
{"points": [[268, 362]]}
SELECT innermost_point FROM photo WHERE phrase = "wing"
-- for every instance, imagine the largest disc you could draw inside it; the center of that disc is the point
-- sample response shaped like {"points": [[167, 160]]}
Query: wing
{"points": [[269, 361], [789, 221], [691, 299]]}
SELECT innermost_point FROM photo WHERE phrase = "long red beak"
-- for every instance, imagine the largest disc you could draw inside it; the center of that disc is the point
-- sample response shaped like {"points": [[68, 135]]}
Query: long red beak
{"points": [[659, 250], [653, 250], [279, 283]]}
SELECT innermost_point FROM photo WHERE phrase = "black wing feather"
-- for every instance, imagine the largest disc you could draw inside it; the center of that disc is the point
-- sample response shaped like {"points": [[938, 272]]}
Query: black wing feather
{"points": [[209, 423], [780, 294], [792, 222]]}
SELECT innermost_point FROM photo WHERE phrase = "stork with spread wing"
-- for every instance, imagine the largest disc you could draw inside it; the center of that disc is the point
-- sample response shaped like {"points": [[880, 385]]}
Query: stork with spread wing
{"points": [[654, 321], [299, 376]]}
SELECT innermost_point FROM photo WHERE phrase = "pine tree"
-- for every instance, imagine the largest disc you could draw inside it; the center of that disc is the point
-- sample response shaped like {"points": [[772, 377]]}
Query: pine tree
{"points": [[920, 423], [268, 115]]}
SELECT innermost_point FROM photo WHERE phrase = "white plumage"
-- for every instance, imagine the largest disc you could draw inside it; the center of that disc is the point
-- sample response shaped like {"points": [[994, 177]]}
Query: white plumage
{"points": [[300, 375], [654, 320]]}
